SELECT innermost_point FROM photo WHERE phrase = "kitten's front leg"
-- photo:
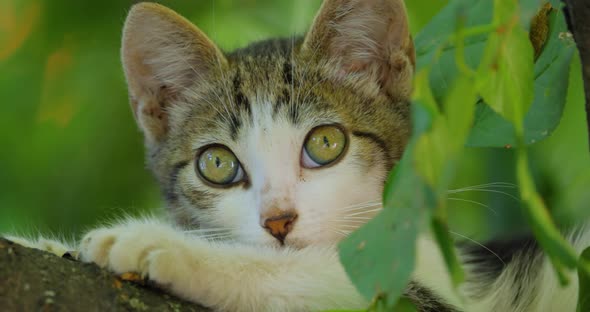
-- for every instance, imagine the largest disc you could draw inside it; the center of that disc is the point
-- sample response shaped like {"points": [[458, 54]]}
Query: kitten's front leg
{"points": [[226, 277], [54, 246], [147, 247]]}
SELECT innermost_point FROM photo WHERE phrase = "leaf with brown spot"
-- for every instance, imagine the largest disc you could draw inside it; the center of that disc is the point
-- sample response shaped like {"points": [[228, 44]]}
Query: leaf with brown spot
{"points": [[490, 129], [505, 75], [540, 29]]}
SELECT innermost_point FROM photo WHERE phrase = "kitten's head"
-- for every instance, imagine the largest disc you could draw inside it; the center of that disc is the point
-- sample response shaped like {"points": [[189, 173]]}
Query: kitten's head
{"points": [[284, 142]]}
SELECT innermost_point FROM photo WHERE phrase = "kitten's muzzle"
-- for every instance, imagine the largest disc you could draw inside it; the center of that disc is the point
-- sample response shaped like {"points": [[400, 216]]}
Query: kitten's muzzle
{"points": [[279, 226]]}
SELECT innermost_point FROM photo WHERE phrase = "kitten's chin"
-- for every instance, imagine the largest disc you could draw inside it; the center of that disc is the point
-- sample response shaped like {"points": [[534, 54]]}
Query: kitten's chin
{"points": [[296, 243], [287, 244], [291, 242]]}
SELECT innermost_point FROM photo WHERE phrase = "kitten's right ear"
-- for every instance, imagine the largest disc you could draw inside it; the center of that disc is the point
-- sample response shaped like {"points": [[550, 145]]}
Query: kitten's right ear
{"points": [[368, 37], [163, 54]]}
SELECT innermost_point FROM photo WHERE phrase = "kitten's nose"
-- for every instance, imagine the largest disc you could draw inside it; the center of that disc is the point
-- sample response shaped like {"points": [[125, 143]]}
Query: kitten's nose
{"points": [[279, 226]]}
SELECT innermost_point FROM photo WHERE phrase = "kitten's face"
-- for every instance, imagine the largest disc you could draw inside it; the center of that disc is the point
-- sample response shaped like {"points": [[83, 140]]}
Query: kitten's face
{"points": [[273, 144], [263, 116]]}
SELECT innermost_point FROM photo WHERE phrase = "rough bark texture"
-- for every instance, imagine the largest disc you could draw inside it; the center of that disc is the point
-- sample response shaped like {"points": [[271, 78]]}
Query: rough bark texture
{"points": [[33, 280], [578, 14]]}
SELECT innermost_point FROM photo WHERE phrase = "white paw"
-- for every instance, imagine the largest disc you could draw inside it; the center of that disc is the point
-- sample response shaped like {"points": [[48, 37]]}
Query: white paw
{"points": [[152, 250]]}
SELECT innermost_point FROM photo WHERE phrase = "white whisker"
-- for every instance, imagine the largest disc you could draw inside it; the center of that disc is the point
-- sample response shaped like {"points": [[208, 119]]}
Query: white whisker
{"points": [[479, 244], [473, 202], [364, 207], [349, 226], [362, 204], [484, 190], [209, 230], [343, 233], [488, 185], [215, 237], [355, 218], [366, 211]]}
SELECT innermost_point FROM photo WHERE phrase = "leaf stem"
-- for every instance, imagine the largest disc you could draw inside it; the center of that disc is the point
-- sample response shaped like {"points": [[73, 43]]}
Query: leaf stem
{"points": [[560, 252], [460, 54], [474, 31]]}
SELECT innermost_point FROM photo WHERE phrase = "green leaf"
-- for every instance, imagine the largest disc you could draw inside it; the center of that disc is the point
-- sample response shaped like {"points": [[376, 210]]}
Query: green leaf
{"points": [[459, 107], [436, 34], [447, 247], [559, 251], [436, 152], [438, 148], [379, 257], [423, 94], [490, 129], [505, 75], [429, 133], [419, 181], [434, 50], [584, 282], [505, 81], [432, 155]]}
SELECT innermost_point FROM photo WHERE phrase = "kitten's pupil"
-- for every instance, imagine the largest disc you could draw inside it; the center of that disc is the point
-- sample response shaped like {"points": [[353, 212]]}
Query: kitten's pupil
{"points": [[326, 142], [217, 162]]}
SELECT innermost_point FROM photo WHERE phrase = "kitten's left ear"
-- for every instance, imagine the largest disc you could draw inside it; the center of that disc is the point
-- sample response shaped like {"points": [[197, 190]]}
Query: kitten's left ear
{"points": [[366, 36], [163, 55]]}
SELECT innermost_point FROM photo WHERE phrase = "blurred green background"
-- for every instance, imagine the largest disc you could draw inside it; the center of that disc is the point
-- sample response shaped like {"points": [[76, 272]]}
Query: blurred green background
{"points": [[72, 156]]}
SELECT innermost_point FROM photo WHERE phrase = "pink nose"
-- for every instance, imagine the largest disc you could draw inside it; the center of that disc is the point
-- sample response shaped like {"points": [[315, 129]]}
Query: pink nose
{"points": [[279, 226]]}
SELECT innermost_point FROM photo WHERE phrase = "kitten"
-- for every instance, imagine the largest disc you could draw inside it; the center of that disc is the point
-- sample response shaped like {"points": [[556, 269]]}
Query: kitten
{"points": [[268, 156]]}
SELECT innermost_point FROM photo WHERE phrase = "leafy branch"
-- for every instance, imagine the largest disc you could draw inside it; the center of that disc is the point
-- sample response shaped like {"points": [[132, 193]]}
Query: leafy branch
{"points": [[480, 82]]}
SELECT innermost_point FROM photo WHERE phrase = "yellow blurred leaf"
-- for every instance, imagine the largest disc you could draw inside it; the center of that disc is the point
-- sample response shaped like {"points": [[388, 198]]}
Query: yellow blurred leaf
{"points": [[58, 96], [16, 28]]}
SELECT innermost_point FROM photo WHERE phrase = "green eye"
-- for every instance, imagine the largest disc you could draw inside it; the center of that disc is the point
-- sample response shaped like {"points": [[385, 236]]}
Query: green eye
{"points": [[219, 165], [324, 145]]}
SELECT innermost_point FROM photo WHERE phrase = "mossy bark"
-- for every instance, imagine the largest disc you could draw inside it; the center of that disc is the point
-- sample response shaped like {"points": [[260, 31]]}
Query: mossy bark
{"points": [[34, 280]]}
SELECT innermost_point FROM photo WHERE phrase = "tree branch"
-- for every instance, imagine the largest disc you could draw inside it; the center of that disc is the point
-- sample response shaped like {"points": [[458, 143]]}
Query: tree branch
{"points": [[34, 280], [578, 16]]}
